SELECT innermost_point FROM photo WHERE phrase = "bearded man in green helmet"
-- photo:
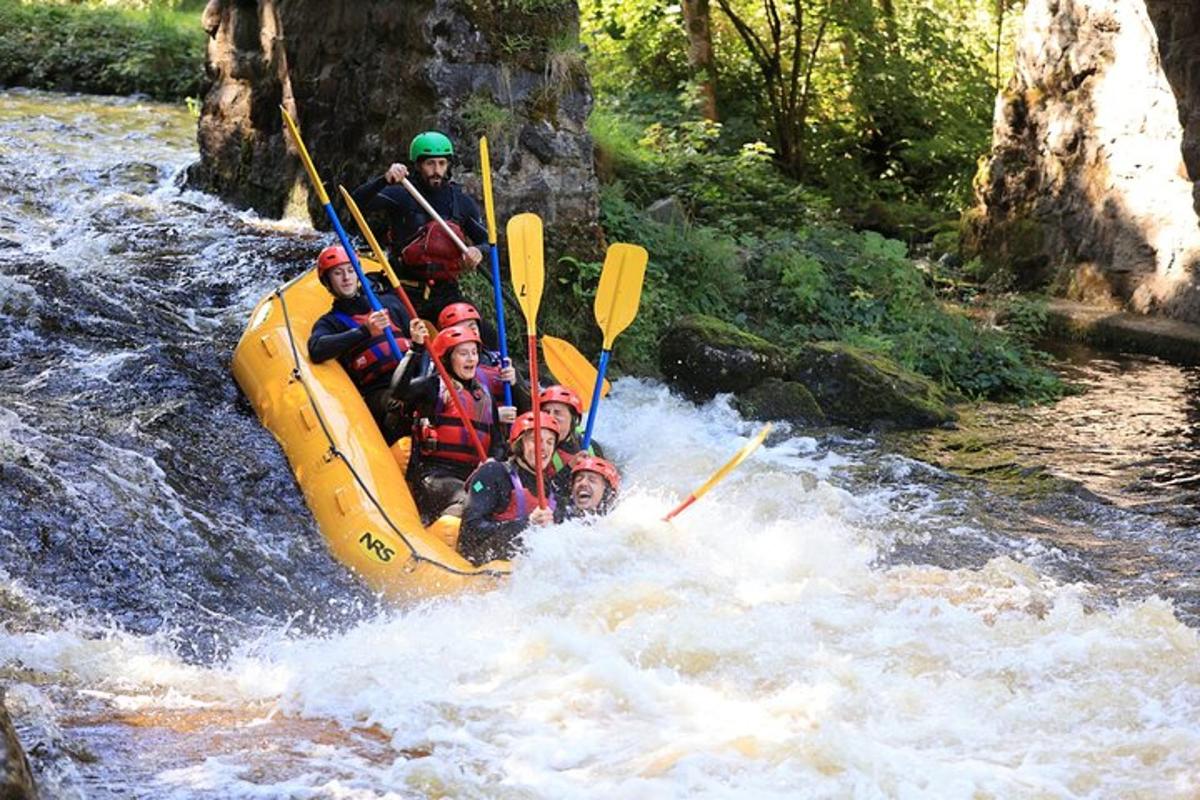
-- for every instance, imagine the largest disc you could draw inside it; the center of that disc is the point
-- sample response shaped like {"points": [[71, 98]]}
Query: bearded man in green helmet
{"points": [[427, 261]]}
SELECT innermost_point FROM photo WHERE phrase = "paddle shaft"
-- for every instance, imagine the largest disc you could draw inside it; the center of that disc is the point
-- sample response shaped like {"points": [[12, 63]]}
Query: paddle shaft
{"points": [[596, 395], [485, 166], [441, 368], [537, 419], [315, 180], [720, 474]]}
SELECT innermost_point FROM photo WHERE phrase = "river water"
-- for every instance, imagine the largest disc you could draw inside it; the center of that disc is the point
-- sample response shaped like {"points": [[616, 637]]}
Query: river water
{"points": [[834, 620]]}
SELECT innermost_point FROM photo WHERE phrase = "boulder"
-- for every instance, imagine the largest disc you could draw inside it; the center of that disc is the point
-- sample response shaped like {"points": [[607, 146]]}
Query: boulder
{"points": [[703, 356], [779, 399], [16, 780], [808, 385], [866, 390]]}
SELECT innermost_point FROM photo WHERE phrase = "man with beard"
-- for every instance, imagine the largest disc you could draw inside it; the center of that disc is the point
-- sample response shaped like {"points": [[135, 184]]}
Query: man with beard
{"points": [[427, 261], [356, 336], [594, 486]]}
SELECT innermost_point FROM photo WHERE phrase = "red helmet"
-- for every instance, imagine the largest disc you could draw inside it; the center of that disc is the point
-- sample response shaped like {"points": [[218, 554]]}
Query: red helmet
{"points": [[561, 394], [456, 313], [450, 338], [605, 469], [524, 423], [330, 257]]}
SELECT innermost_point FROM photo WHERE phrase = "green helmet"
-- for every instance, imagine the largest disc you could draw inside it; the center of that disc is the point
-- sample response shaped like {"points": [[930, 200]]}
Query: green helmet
{"points": [[430, 144]]}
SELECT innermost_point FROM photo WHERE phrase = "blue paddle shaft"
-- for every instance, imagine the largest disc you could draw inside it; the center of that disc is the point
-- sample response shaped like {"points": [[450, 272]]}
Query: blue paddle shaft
{"points": [[362, 279], [499, 298], [600, 370]]}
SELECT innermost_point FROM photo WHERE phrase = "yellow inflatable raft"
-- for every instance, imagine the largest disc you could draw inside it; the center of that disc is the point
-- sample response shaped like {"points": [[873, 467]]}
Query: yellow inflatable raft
{"points": [[353, 482]]}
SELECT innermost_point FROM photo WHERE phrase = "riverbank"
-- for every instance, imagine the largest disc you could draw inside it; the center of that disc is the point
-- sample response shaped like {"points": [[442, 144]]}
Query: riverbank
{"points": [[157, 52]]}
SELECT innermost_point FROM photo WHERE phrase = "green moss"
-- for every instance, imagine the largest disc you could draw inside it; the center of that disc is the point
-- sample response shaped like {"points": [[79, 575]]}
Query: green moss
{"points": [[482, 116], [157, 52]]}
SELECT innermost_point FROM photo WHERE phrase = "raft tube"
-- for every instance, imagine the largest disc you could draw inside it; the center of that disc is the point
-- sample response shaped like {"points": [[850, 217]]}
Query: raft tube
{"points": [[353, 483]]}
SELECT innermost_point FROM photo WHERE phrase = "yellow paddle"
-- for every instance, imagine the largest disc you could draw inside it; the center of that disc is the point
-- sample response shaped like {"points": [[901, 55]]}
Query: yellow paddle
{"points": [[412, 313], [571, 368], [617, 299], [485, 167], [722, 472], [528, 276]]}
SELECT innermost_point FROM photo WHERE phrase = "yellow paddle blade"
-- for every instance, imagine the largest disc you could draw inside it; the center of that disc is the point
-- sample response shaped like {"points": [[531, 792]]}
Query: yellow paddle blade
{"points": [[733, 462], [485, 166], [620, 289], [525, 261], [313, 178], [572, 369], [380, 256]]}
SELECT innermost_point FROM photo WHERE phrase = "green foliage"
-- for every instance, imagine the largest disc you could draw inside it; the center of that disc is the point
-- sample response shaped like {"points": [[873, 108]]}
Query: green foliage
{"points": [[829, 282], [483, 117], [151, 49], [691, 270]]}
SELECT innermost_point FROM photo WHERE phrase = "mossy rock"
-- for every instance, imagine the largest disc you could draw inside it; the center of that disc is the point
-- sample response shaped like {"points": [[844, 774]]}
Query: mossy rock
{"points": [[783, 400], [866, 390], [705, 356]]}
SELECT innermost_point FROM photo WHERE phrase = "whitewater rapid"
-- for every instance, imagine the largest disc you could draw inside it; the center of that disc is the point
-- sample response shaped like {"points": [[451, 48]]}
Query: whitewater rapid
{"points": [[831, 621]]}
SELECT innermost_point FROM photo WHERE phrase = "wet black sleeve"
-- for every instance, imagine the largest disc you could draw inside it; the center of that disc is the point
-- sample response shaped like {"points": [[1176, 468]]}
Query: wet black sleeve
{"points": [[327, 340], [418, 393], [597, 450], [481, 538], [367, 196]]}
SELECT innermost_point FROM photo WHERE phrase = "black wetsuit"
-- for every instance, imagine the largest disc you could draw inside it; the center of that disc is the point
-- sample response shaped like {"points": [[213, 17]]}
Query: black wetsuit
{"points": [[493, 520], [336, 336], [406, 218]]}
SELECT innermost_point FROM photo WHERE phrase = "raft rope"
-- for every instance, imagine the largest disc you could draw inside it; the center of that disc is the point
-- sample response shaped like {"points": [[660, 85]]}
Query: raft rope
{"points": [[334, 452]]}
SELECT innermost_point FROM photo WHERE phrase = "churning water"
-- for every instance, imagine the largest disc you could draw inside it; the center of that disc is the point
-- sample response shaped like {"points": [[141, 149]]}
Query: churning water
{"points": [[831, 621]]}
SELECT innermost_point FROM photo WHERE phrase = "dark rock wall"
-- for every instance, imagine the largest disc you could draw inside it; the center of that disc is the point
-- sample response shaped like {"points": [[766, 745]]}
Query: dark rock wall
{"points": [[363, 76], [1091, 186]]}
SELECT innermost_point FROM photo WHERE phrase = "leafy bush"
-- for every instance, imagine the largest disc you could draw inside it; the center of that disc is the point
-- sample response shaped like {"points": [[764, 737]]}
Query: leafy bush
{"points": [[156, 52]]}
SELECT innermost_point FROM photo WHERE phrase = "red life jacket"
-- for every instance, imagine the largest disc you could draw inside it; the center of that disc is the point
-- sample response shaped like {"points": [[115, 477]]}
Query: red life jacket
{"points": [[453, 442], [372, 361], [432, 254], [522, 501]]}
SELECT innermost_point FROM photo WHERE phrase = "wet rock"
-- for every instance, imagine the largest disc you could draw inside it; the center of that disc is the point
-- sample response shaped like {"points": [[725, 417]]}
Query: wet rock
{"points": [[16, 780], [363, 78], [704, 356], [865, 390], [784, 400]]}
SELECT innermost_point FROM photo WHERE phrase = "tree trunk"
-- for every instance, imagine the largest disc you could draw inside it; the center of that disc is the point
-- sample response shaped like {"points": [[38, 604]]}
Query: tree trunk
{"points": [[697, 23]]}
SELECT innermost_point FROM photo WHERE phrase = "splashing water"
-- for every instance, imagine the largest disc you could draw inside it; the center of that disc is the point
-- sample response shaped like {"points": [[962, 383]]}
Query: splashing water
{"points": [[830, 621]]}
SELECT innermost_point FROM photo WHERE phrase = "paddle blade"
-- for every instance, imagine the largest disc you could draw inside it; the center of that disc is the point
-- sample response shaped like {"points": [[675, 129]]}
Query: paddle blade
{"points": [[572, 369], [485, 166], [525, 261], [620, 289]]}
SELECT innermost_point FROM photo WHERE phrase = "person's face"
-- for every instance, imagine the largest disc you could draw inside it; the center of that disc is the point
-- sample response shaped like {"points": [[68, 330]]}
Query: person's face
{"points": [[561, 413], [433, 170], [528, 454], [343, 280], [587, 490], [468, 325], [463, 360]]}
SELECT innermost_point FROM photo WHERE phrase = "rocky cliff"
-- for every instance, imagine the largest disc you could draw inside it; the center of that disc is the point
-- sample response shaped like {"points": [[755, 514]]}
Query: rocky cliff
{"points": [[1093, 184], [363, 77]]}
